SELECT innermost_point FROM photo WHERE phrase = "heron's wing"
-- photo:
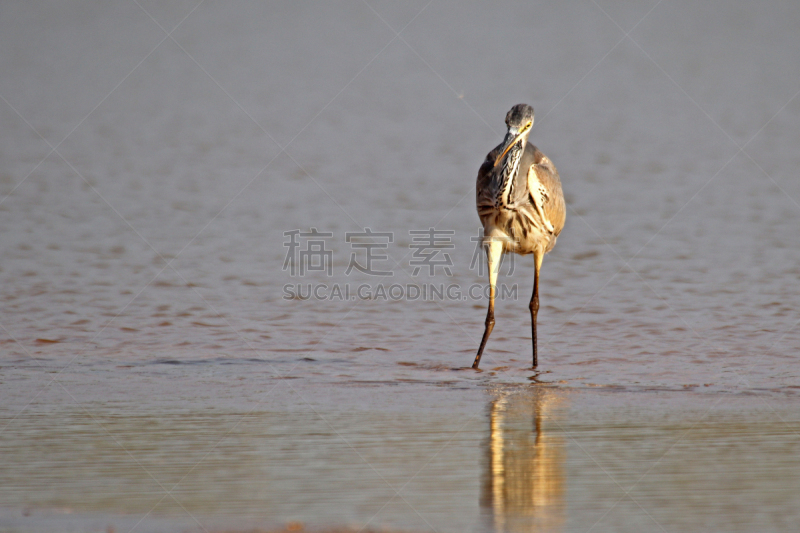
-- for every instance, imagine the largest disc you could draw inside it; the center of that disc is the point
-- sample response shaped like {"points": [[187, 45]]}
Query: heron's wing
{"points": [[544, 186], [484, 192]]}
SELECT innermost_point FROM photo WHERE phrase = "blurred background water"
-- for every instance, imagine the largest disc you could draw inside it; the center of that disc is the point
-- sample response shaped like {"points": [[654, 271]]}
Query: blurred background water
{"points": [[154, 155]]}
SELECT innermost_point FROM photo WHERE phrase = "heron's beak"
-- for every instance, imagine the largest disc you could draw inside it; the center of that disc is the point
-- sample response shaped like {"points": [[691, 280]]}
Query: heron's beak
{"points": [[511, 141]]}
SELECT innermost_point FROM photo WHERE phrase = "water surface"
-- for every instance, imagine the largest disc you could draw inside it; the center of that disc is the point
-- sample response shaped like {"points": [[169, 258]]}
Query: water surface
{"points": [[147, 185]]}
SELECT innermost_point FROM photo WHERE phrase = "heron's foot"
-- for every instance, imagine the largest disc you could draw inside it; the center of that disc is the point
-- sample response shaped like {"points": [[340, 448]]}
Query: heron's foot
{"points": [[536, 377]]}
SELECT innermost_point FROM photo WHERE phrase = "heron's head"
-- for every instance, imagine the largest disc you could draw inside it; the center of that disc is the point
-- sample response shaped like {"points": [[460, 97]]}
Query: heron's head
{"points": [[519, 117], [519, 120]]}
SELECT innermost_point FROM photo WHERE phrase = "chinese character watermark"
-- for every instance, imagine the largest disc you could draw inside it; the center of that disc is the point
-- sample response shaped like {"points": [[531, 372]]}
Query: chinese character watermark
{"points": [[309, 251], [479, 257], [314, 258], [356, 241], [427, 245]]}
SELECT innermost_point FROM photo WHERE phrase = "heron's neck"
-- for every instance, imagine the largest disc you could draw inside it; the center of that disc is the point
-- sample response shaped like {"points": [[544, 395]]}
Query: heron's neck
{"points": [[510, 167]]}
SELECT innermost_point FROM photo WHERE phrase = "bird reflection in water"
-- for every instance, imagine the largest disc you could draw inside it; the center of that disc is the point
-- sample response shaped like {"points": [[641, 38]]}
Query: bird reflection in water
{"points": [[523, 485]]}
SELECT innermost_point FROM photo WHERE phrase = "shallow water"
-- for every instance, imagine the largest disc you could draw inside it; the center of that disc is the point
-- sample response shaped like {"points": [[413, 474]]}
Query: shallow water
{"points": [[516, 459], [147, 185]]}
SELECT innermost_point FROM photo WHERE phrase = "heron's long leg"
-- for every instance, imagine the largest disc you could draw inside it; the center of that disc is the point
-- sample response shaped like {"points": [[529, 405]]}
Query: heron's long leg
{"points": [[534, 305], [494, 250]]}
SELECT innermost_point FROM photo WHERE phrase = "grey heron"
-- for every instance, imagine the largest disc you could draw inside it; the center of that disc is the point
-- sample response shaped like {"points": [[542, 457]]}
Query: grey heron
{"points": [[521, 207]]}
